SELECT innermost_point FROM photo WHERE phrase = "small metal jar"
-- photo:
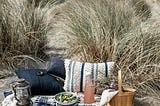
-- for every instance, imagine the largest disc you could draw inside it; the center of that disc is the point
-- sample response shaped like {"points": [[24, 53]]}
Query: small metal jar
{"points": [[22, 92]]}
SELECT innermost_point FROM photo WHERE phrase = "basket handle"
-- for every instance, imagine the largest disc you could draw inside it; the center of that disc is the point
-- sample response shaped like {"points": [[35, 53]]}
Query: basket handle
{"points": [[120, 81]]}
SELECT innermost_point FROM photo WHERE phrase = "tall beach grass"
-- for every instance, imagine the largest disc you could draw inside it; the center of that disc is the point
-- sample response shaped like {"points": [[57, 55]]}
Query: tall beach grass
{"points": [[138, 56], [95, 26], [23, 30]]}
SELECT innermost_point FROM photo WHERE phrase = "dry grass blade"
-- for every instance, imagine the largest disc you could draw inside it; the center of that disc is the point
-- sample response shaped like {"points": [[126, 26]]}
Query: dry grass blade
{"points": [[25, 62]]}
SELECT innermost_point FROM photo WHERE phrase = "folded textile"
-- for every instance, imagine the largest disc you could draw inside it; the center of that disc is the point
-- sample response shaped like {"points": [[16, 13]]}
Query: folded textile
{"points": [[37, 100], [7, 93], [9, 101], [43, 101], [107, 95]]}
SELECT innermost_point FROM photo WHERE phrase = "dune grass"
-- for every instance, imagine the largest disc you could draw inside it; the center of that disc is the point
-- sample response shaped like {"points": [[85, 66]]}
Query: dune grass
{"points": [[23, 30], [138, 57], [42, 3], [95, 26], [111, 30], [92, 22], [142, 9]]}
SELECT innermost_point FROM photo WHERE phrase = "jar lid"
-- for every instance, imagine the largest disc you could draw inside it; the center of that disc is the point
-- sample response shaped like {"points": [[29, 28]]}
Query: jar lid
{"points": [[21, 83]]}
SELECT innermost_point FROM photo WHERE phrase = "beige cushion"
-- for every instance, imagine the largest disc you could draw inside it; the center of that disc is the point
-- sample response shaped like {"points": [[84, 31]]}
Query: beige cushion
{"points": [[76, 72]]}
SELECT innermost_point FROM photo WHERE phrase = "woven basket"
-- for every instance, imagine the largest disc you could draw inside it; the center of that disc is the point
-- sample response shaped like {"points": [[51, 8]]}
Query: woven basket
{"points": [[124, 97]]}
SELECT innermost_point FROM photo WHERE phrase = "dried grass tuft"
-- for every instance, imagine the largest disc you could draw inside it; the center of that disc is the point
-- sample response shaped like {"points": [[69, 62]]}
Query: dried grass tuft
{"points": [[23, 29]]}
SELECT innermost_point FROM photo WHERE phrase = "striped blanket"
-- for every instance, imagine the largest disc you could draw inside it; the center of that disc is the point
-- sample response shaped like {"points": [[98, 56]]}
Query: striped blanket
{"points": [[43, 101]]}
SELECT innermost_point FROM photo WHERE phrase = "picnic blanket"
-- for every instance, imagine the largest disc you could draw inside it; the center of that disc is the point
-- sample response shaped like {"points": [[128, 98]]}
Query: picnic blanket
{"points": [[40, 101], [35, 101], [50, 101]]}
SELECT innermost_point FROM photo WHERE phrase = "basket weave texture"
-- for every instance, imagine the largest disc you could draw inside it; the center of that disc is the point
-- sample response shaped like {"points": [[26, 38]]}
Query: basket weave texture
{"points": [[124, 97]]}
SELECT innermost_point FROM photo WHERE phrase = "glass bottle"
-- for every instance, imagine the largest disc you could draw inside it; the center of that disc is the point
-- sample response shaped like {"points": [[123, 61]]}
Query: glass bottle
{"points": [[89, 90]]}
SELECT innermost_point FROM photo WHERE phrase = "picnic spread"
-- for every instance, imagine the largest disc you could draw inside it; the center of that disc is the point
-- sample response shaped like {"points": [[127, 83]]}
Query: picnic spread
{"points": [[67, 83], [50, 101]]}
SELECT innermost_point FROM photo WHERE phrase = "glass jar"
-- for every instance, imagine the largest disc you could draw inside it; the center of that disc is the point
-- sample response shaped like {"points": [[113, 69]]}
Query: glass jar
{"points": [[89, 90]]}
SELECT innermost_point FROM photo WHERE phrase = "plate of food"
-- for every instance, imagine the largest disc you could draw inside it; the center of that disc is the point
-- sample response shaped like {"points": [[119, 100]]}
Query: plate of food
{"points": [[66, 99]]}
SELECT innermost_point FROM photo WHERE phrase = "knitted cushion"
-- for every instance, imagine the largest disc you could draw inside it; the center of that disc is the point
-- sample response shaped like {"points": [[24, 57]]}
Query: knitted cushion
{"points": [[76, 72]]}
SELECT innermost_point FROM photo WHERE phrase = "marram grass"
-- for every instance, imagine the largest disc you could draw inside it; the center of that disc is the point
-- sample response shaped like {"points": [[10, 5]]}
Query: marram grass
{"points": [[138, 57], [23, 29], [95, 26]]}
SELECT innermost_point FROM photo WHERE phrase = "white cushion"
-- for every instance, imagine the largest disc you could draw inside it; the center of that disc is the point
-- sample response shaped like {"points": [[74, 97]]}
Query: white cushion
{"points": [[76, 72]]}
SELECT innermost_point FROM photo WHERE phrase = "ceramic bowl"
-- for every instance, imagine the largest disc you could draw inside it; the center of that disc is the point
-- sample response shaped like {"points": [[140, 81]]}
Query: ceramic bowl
{"points": [[61, 101]]}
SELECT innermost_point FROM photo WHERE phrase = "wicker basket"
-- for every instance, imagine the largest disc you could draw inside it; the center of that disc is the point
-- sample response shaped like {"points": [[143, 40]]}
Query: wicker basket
{"points": [[124, 97]]}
